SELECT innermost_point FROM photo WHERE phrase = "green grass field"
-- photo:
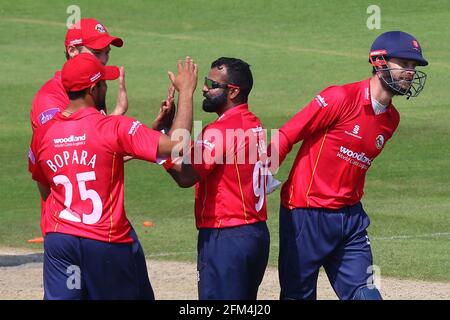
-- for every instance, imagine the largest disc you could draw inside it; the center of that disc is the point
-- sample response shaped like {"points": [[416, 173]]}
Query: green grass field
{"points": [[296, 48]]}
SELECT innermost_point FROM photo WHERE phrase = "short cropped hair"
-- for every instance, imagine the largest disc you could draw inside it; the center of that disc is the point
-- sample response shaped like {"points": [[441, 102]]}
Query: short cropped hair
{"points": [[238, 73]]}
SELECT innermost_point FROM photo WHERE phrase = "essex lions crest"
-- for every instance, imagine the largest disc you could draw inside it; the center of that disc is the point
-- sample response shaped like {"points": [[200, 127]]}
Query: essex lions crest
{"points": [[379, 141], [100, 28]]}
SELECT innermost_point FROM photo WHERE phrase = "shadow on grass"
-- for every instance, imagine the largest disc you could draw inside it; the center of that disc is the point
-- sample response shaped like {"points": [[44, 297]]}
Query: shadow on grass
{"points": [[17, 260]]}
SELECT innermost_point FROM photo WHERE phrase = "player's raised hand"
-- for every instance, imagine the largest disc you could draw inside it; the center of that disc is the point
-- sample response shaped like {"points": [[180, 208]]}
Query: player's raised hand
{"points": [[122, 97], [170, 97], [166, 111], [186, 79]]}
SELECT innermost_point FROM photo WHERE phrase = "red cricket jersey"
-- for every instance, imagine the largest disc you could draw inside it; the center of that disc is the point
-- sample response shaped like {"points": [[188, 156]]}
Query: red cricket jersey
{"points": [[341, 137], [231, 158], [49, 100], [81, 158]]}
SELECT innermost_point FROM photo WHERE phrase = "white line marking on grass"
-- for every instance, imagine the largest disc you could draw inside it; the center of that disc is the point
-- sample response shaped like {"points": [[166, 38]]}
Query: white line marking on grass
{"points": [[275, 245], [417, 236], [164, 254], [174, 36], [35, 21], [401, 237]]}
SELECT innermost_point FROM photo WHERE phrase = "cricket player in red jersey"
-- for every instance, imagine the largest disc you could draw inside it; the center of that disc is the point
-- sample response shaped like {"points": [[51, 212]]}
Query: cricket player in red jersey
{"points": [[77, 160], [343, 129], [228, 167], [87, 36]]}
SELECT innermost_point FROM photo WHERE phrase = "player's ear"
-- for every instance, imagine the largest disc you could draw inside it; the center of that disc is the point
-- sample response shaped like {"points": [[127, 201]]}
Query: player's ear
{"points": [[92, 89], [234, 92], [72, 52]]}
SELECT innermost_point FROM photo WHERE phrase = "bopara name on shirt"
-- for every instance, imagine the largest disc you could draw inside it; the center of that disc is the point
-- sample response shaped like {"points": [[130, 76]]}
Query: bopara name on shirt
{"points": [[73, 157]]}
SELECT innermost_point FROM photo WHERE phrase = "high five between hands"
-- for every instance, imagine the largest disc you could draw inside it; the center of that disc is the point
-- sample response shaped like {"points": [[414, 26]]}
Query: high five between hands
{"points": [[185, 82]]}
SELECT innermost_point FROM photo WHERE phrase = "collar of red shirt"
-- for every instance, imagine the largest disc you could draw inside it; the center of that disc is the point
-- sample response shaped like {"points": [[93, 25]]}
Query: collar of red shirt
{"points": [[236, 109], [84, 112], [365, 93]]}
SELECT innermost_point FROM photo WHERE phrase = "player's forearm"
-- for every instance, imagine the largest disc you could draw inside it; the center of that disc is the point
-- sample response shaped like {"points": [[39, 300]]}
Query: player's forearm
{"points": [[184, 175], [183, 118], [122, 97], [44, 190], [278, 150], [117, 112]]}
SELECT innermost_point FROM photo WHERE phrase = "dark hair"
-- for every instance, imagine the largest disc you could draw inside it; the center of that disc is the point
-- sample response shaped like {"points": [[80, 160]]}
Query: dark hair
{"points": [[74, 95], [238, 73]]}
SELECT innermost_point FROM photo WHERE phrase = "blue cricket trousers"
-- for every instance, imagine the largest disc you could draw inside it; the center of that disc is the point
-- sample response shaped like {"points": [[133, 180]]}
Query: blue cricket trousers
{"points": [[335, 239], [78, 268], [231, 261]]}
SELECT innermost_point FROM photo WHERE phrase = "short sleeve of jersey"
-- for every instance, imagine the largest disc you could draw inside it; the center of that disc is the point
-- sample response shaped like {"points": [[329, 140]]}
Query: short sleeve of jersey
{"points": [[131, 137], [319, 114], [33, 166], [207, 151], [43, 109], [50, 99]]}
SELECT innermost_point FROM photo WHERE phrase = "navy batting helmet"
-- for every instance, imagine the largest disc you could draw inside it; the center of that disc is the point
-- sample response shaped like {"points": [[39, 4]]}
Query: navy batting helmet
{"points": [[400, 45]]}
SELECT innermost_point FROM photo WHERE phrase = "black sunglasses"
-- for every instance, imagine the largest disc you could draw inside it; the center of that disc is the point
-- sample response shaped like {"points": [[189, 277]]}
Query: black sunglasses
{"points": [[211, 84]]}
